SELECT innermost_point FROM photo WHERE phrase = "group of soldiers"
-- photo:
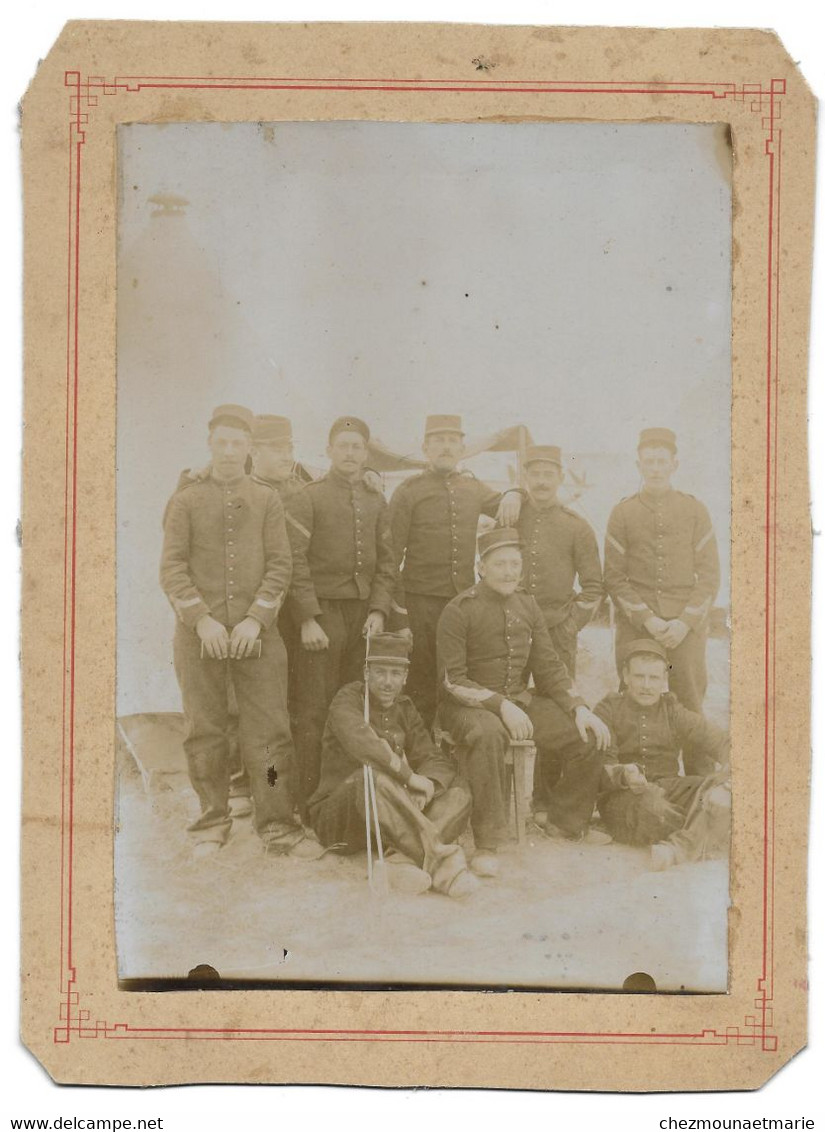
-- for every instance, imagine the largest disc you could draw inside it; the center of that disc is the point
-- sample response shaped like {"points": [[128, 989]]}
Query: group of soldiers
{"points": [[321, 630]]}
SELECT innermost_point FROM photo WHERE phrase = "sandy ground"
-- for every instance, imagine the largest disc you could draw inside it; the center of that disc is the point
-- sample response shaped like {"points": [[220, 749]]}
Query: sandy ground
{"points": [[558, 915]]}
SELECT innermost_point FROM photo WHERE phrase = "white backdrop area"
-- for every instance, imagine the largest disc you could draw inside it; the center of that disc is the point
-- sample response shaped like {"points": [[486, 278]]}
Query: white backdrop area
{"points": [[574, 277]]}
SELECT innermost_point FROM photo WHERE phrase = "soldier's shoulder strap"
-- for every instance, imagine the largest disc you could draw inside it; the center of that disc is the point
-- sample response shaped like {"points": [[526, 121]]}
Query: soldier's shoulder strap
{"points": [[191, 476], [467, 595]]}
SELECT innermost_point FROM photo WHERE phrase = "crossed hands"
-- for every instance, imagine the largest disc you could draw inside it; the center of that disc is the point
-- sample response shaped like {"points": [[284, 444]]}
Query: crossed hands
{"points": [[667, 633]]}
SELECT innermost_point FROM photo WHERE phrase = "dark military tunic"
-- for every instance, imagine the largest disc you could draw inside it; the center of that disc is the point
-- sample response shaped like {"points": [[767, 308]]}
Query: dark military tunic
{"points": [[653, 737], [343, 568], [661, 558], [341, 548], [434, 519], [395, 744], [488, 645], [559, 546], [226, 553]]}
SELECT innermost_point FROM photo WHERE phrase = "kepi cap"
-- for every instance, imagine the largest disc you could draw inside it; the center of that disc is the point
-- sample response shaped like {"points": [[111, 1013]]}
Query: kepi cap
{"points": [[269, 429], [442, 422], [657, 438], [547, 452], [644, 645], [500, 536], [349, 424], [389, 648], [235, 416]]}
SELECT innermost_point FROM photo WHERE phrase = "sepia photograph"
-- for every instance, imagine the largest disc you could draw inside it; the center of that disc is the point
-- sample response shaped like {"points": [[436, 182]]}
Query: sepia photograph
{"points": [[423, 555]]}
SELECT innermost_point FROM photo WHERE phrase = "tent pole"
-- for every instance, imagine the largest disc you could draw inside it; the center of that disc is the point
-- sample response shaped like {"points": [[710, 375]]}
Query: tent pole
{"points": [[522, 453]]}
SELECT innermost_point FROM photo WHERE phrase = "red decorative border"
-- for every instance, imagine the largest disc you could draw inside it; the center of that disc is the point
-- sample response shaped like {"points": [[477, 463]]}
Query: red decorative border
{"points": [[76, 1022]]}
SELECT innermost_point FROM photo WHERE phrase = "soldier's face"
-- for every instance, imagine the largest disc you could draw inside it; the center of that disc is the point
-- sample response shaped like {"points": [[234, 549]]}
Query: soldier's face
{"points": [[273, 461], [230, 448], [443, 450], [348, 453], [656, 466], [543, 480], [646, 679], [501, 569], [385, 682]]}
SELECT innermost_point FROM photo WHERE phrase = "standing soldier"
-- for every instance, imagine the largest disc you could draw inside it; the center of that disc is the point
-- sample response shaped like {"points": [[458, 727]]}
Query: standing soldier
{"points": [[491, 638], [434, 518], [273, 457], [661, 568], [342, 585], [559, 546], [225, 568]]}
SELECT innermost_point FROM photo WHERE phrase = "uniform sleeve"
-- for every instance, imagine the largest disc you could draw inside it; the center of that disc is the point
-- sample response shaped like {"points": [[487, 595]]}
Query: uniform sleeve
{"points": [[589, 569], [277, 565], [175, 577], [604, 710], [549, 672], [451, 651], [706, 568], [423, 755], [400, 513], [703, 743], [385, 580], [299, 526], [616, 581], [355, 736]]}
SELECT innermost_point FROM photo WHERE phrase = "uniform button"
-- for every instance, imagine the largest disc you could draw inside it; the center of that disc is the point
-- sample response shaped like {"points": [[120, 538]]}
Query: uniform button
{"points": [[230, 543]]}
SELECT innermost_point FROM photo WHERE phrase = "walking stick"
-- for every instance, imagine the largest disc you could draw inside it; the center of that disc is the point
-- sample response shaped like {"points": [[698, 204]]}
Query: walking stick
{"points": [[376, 870]]}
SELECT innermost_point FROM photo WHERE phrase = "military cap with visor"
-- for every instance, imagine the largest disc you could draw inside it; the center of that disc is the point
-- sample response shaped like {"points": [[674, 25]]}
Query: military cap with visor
{"points": [[495, 539], [644, 646], [269, 429], [657, 438], [349, 424], [233, 416], [389, 648], [443, 422], [549, 453]]}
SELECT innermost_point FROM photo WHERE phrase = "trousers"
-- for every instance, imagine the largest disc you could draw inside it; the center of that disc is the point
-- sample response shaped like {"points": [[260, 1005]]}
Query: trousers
{"points": [[427, 838], [567, 646], [652, 814], [566, 776], [422, 679], [259, 685], [688, 676], [317, 677]]}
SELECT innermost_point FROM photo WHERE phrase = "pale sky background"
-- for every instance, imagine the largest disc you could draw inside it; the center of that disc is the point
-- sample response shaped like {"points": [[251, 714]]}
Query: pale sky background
{"points": [[574, 277]]}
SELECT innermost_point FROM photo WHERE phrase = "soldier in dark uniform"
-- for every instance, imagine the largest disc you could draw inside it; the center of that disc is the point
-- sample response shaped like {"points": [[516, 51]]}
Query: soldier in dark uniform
{"points": [[646, 798], [225, 568], [559, 547], [434, 517], [342, 585], [422, 804], [661, 568], [490, 639]]}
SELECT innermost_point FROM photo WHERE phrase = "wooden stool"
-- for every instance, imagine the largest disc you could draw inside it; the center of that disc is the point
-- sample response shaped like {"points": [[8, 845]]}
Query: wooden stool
{"points": [[519, 766]]}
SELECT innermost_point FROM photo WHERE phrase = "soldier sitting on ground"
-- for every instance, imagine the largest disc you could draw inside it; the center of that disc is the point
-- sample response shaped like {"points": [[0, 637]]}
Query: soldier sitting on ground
{"points": [[422, 805], [645, 798]]}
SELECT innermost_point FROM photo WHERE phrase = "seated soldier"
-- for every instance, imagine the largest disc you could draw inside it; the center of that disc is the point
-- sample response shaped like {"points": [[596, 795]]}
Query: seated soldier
{"points": [[646, 799], [490, 639], [422, 805]]}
